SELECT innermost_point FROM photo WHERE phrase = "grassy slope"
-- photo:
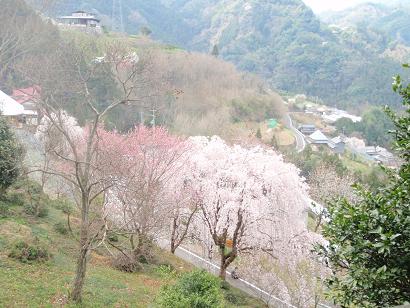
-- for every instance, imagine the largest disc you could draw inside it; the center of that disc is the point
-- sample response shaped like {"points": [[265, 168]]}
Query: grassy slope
{"points": [[47, 284]]}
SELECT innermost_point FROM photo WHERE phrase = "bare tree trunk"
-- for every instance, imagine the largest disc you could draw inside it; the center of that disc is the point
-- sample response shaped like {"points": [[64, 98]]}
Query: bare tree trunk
{"points": [[173, 236], [173, 248], [223, 266], [222, 272], [76, 294]]}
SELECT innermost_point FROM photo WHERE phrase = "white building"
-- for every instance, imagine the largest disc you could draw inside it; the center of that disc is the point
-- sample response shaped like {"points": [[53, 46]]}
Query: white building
{"points": [[82, 21], [337, 114], [9, 107]]}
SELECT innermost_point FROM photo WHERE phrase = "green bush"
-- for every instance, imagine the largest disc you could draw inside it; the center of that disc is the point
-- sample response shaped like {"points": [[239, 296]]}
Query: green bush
{"points": [[27, 253], [166, 271], [112, 237], [197, 289], [4, 209], [225, 286], [61, 228], [11, 156], [63, 204], [36, 209], [235, 297], [16, 198]]}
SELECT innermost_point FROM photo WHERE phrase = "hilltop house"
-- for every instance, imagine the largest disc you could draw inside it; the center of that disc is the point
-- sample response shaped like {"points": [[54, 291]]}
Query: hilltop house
{"points": [[11, 109], [82, 21]]}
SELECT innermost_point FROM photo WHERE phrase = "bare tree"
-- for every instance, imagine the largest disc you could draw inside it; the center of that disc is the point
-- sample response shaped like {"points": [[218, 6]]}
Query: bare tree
{"points": [[64, 77], [19, 23], [182, 212]]}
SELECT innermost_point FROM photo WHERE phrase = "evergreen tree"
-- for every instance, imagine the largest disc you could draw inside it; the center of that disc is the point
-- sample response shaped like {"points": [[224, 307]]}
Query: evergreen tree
{"points": [[369, 240], [259, 133], [215, 51], [11, 156], [145, 31]]}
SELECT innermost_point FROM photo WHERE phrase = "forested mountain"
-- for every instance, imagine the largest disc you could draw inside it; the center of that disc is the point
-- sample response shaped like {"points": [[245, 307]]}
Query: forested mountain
{"points": [[282, 40], [383, 26]]}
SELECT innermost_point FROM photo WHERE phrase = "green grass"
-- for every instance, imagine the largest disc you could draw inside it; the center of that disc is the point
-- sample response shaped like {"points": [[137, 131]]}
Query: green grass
{"points": [[48, 284], [354, 165]]}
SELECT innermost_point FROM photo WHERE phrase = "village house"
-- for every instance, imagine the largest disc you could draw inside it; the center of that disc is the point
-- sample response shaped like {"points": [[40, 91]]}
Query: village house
{"points": [[381, 155], [317, 138], [332, 115], [337, 145], [82, 21], [28, 98], [307, 129], [11, 110]]}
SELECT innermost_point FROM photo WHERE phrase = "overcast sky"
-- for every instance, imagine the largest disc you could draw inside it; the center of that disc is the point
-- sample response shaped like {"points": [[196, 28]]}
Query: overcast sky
{"points": [[335, 5]]}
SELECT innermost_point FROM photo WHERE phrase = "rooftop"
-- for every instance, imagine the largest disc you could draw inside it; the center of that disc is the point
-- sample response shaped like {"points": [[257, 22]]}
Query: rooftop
{"points": [[318, 136], [337, 140], [8, 106]]}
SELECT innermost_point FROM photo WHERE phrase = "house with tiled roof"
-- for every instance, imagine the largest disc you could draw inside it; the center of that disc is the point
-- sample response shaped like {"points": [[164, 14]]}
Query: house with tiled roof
{"points": [[317, 138], [28, 98]]}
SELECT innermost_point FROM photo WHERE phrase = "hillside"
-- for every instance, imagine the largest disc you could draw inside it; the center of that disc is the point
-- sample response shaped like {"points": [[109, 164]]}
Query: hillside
{"points": [[283, 41], [214, 97], [385, 27], [45, 283]]}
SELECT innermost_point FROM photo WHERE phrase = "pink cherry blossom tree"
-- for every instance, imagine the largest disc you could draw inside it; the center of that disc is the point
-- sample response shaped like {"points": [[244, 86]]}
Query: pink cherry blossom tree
{"points": [[142, 201]]}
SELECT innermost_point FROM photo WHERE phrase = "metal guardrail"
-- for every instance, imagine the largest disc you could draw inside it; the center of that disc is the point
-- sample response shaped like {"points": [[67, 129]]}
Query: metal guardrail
{"points": [[266, 295]]}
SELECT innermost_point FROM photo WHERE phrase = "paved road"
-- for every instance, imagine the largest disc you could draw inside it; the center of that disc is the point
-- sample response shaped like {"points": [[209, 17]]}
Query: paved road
{"points": [[300, 139], [241, 284]]}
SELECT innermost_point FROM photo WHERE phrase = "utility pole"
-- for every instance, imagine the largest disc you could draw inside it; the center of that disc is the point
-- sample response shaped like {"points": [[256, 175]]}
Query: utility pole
{"points": [[153, 117], [141, 117], [117, 19]]}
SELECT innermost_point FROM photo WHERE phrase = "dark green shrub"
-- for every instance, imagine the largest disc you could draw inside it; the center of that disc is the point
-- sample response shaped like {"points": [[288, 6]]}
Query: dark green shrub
{"points": [[63, 204], [25, 252], [61, 228], [225, 285], [36, 209], [11, 156], [235, 297], [197, 289], [112, 237], [16, 198], [4, 209]]}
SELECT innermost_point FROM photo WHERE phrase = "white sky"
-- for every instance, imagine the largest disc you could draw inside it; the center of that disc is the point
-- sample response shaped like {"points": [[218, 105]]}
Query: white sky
{"points": [[334, 5]]}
